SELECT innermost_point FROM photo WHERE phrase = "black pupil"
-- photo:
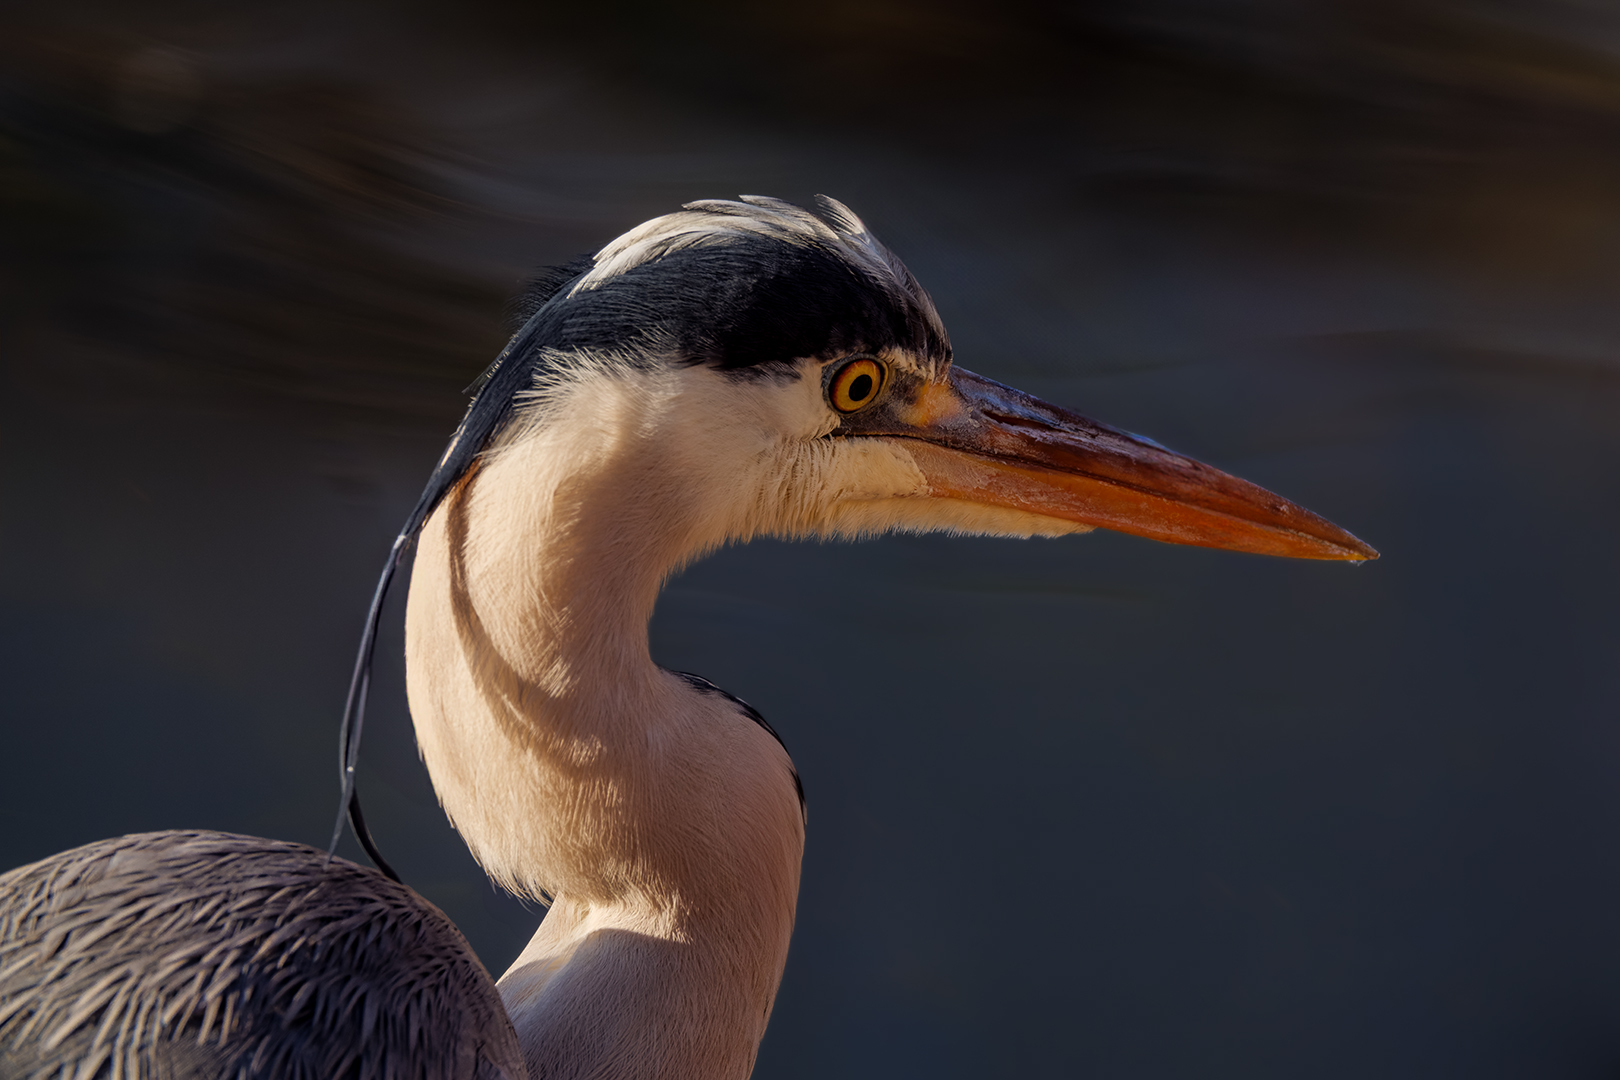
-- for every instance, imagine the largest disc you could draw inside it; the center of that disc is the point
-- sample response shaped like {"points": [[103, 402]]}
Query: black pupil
{"points": [[860, 387]]}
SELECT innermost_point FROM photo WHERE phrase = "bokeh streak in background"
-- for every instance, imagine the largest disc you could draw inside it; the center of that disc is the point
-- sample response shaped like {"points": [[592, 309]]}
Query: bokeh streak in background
{"points": [[1088, 807]]}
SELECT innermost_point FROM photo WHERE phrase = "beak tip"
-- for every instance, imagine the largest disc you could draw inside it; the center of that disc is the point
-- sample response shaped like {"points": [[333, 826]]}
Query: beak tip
{"points": [[1327, 540], [1352, 549]]}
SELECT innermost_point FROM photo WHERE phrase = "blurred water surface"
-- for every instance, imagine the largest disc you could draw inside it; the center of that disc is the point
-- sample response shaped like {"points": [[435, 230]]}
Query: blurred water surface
{"points": [[1085, 807]]}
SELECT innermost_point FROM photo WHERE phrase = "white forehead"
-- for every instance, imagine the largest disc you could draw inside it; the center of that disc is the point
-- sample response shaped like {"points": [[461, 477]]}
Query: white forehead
{"points": [[721, 222]]}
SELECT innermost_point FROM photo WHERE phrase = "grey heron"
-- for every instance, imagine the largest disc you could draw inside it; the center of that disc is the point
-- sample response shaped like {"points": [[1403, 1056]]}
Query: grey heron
{"points": [[731, 370]]}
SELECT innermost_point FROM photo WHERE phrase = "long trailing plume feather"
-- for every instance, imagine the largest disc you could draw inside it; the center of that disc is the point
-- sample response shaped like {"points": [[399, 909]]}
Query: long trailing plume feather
{"points": [[496, 391]]}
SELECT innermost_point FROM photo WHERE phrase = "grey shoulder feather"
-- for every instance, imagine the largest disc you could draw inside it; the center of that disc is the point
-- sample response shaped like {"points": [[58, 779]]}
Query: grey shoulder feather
{"points": [[201, 954]]}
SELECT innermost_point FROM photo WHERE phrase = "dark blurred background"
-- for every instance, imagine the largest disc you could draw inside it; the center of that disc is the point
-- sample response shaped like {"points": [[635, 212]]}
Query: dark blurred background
{"points": [[1090, 807]]}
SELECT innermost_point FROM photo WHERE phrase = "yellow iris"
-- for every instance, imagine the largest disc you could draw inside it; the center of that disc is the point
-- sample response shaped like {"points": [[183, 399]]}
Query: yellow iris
{"points": [[856, 385]]}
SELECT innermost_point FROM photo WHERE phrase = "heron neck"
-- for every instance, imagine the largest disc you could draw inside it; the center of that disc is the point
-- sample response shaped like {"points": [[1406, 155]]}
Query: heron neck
{"points": [[665, 822], [557, 547], [551, 736]]}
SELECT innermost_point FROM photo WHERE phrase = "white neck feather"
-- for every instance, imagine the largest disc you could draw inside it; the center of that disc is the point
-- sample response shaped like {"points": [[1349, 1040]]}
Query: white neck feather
{"points": [[664, 821]]}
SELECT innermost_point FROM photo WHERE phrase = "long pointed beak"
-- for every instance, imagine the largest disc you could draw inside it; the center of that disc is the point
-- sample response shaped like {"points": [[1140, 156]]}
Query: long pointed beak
{"points": [[977, 440]]}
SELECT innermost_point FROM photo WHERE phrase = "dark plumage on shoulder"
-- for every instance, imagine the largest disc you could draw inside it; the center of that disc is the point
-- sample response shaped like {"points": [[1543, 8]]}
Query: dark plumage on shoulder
{"points": [[201, 954], [704, 686]]}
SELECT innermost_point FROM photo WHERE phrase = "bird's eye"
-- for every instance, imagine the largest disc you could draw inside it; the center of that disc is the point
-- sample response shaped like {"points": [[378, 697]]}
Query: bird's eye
{"points": [[855, 385]]}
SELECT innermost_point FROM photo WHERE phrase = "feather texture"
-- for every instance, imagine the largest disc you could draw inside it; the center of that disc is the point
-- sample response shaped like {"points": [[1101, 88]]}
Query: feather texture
{"points": [[199, 954]]}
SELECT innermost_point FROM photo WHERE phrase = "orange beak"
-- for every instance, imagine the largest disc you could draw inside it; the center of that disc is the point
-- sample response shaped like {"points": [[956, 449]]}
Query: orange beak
{"points": [[977, 440]]}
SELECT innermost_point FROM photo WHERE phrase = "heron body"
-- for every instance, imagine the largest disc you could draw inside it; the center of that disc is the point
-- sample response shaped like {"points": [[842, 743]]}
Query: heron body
{"points": [[731, 370], [192, 954]]}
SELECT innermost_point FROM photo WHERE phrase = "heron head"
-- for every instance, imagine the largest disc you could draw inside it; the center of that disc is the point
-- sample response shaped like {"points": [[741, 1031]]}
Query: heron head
{"points": [[782, 372]]}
